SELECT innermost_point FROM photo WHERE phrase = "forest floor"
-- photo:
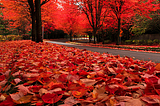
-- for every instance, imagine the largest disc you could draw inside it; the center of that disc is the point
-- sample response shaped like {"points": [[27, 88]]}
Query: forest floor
{"points": [[45, 74]]}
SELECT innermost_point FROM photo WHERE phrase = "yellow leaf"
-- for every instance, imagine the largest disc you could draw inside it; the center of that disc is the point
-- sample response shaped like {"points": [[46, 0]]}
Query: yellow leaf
{"points": [[24, 99], [79, 93], [94, 93], [113, 102], [157, 67]]}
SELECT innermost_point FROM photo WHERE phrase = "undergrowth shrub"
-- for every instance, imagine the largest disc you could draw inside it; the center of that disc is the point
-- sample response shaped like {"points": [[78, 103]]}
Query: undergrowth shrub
{"points": [[13, 37], [156, 41], [10, 37], [143, 42], [128, 42], [26, 37], [107, 41], [149, 42], [2, 38]]}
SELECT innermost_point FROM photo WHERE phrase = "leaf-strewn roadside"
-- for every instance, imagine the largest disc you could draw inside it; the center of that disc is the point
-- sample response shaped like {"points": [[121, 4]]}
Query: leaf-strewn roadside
{"points": [[43, 73], [150, 49]]}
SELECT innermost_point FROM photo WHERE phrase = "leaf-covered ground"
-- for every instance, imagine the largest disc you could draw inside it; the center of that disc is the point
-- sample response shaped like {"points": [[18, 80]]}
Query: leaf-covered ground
{"points": [[49, 74]]}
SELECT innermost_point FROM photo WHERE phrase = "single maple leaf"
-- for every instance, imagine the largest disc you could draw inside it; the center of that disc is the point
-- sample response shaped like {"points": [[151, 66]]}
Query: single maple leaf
{"points": [[157, 67], [151, 99], [24, 99], [35, 88], [51, 98], [2, 77], [71, 101], [17, 96], [23, 89], [135, 102], [88, 82], [79, 93], [62, 78]]}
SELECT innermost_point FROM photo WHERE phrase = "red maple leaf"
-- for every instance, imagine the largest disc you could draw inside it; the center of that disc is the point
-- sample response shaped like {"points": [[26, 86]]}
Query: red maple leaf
{"points": [[51, 98]]}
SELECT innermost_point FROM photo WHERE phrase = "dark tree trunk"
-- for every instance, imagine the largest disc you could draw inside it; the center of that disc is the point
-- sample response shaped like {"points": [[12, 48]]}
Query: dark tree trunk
{"points": [[97, 36], [119, 27], [33, 16], [70, 36], [94, 34], [90, 37], [38, 21], [34, 27], [35, 11]]}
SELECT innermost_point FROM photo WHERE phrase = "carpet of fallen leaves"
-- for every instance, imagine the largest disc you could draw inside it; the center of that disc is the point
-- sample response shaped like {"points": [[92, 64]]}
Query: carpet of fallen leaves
{"points": [[50, 74]]}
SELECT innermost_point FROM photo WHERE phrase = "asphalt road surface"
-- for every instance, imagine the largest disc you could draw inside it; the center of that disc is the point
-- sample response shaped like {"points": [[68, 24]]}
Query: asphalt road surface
{"points": [[155, 57]]}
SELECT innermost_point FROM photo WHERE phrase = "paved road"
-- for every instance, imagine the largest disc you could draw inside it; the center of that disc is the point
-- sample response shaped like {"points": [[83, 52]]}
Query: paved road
{"points": [[155, 57]]}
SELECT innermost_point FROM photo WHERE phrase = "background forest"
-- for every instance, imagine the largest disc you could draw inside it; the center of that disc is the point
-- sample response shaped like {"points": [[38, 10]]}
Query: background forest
{"points": [[52, 73], [104, 20]]}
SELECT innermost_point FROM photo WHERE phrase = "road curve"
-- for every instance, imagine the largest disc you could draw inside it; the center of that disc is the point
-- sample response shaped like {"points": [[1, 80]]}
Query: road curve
{"points": [[155, 57]]}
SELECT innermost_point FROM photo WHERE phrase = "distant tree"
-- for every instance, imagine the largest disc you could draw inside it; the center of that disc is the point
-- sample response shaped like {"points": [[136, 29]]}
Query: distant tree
{"points": [[70, 20], [95, 11], [125, 10], [144, 25], [18, 19]]}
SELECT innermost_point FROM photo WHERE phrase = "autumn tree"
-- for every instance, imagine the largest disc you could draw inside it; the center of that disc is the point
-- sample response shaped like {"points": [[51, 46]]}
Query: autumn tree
{"points": [[3, 23], [124, 10], [26, 10], [14, 12], [35, 11], [70, 20], [95, 11], [145, 25]]}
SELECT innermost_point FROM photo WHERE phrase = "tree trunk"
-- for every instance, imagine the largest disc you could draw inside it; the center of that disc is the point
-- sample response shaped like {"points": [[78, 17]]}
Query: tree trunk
{"points": [[97, 36], [119, 27], [34, 27], [102, 36], [90, 37], [94, 34], [38, 21], [70, 36], [33, 16]]}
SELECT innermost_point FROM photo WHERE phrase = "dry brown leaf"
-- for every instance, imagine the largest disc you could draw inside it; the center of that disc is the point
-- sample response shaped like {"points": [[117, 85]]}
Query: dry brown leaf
{"points": [[71, 101], [123, 98], [2, 97], [42, 91], [34, 70], [151, 99], [88, 82], [111, 70], [135, 102], [16, 96], [24, 99]]}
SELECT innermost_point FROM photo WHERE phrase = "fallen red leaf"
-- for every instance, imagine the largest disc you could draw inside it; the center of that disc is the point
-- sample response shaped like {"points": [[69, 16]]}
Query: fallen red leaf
{"points": [[51, 98], [79, 93]]}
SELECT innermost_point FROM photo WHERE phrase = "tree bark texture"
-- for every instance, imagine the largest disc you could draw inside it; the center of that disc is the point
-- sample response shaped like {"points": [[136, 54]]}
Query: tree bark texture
{"points": [[38, 21], [119, 27], [33, 16]]}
